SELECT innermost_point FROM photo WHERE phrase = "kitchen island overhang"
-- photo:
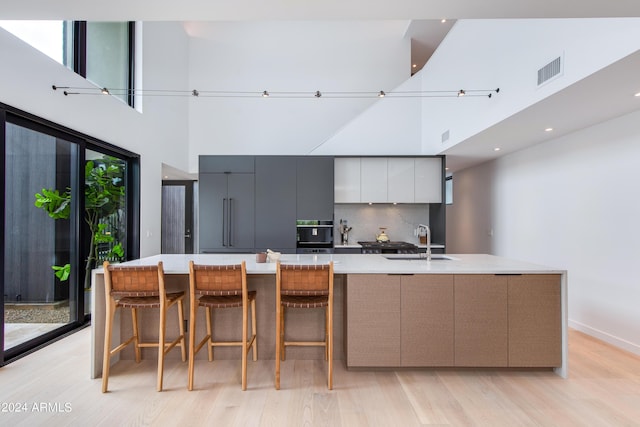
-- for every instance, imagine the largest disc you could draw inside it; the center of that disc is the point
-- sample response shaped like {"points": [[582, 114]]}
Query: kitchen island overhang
{"points": [[262, 275]]}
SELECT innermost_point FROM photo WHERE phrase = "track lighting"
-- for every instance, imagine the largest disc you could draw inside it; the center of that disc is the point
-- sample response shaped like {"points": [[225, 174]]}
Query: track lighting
{"points": [[68, 90]]}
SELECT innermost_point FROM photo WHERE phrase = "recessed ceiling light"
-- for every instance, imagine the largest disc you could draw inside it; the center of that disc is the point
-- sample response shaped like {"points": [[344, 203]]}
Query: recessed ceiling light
{"points": [[496, 149], [443, 20], [548, 129], [166, 177], [637, 94], [414, 65]]}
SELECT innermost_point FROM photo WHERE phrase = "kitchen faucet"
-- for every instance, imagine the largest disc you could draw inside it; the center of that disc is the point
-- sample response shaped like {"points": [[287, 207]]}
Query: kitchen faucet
{"points": [[428, 231]]}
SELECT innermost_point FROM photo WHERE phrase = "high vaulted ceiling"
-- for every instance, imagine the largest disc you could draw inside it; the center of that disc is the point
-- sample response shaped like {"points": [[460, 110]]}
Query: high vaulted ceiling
{"points": [[231, 10], [611, 85]]}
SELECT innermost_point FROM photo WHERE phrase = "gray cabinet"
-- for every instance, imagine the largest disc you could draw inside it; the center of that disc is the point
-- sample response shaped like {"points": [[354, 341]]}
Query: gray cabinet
{"points": [[275, 204], [227, 209], [314, 194]]}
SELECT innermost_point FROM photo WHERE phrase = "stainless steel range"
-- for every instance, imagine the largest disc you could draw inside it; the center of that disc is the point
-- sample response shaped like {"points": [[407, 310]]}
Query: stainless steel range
{"points": [[390, 247]]}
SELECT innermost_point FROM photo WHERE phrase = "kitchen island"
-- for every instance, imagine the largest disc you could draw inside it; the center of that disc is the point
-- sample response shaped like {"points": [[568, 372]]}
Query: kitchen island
{"points": [[461, 311]]}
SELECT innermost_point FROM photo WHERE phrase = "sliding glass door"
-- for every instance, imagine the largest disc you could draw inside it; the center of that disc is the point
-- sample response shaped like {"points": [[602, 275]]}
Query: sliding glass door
{"points": [[40, 256], [70, 203]]}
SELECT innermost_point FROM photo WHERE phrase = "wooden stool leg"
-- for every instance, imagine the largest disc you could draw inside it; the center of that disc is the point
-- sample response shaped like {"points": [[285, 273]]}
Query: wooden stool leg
{"points": [[181, 329], [136, 333], [106, 361], [330, 344], [209, 333], [283, 347], [278, 347], [245, 327], [192, 341], [161, 346], [254, 330], [326, 333]]}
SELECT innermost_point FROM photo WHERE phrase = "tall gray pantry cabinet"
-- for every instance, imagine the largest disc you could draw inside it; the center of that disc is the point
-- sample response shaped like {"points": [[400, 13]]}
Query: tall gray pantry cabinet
{"points": [[227, 204]]}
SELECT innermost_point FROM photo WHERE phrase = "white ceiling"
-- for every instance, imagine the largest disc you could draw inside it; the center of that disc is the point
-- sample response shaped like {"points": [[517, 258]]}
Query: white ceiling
{"points": [[602, 96], [232, 10]]}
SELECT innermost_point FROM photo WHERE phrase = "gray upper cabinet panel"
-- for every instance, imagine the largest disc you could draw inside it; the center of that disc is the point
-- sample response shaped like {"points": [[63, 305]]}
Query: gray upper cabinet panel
{"points": [[276, 203], [222, 164], [315, 187]]}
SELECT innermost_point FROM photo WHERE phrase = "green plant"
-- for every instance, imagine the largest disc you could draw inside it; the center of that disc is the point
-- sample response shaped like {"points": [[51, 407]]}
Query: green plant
{"points": [[103, 197]]}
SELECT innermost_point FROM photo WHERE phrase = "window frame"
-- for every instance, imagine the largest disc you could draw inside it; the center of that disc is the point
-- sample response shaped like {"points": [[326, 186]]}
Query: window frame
{"points": [[80, 55]]}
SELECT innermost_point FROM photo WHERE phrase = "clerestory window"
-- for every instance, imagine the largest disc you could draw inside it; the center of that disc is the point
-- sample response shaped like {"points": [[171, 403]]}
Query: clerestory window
{"points": [[102, 52]]}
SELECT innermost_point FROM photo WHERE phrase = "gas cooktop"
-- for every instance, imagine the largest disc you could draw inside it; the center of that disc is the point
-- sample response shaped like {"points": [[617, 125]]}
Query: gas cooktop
{"points": [[389, 247], [389, 244]]}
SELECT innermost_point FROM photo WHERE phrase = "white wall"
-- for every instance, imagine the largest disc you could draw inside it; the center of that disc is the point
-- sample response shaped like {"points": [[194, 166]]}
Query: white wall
{"points": [[287, 56], [571, 203], [158, 135], [506, 54], [392, 125]]}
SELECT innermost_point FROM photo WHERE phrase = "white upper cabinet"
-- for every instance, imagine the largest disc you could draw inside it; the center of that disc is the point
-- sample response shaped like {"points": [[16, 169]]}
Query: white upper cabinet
{"points": [[401, 181], [428, 180], [347, 180], [388, 180], [373, 180]]}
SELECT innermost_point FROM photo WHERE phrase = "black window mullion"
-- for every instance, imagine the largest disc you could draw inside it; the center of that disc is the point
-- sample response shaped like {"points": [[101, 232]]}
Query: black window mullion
{"points": [[132, 62], [80, 47]]}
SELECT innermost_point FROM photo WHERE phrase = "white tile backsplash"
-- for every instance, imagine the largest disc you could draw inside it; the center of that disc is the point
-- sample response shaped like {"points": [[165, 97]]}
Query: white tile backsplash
{"points": [[399, 220]]}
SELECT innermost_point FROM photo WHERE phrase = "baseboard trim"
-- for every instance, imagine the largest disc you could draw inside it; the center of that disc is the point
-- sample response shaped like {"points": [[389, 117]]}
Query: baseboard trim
{"points": [[606, 337]]}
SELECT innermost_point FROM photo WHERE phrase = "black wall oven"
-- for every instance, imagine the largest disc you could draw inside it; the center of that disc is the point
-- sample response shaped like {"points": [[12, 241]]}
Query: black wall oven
{"points": [[314, 236]]}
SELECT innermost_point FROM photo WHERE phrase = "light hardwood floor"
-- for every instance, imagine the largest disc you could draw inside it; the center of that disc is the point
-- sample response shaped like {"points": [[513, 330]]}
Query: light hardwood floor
{"points": [[53, 387]]}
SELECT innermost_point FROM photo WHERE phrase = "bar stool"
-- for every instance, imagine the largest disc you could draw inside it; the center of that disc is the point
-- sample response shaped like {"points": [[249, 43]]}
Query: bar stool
{"points": [[304, 286], [138, 287], [221, 286]]}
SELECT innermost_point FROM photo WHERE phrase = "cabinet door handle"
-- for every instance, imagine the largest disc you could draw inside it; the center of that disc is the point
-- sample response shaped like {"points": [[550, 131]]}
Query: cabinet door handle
{"points": [[224, 221], [230, 221]]}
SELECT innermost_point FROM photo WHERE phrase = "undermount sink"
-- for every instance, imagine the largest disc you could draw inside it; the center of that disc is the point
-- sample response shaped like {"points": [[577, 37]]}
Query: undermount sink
{"points": [[417, 257]]}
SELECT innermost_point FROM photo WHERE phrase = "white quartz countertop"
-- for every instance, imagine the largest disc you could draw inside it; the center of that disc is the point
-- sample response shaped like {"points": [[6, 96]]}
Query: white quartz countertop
{"points": [[358, 264]]}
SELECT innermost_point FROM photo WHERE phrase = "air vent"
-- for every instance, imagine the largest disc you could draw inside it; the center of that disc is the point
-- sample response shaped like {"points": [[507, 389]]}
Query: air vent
{"points": [[445, 136], [549, 71]]}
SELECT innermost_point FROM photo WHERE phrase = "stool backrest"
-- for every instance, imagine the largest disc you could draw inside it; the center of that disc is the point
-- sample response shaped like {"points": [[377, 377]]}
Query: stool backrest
{"points": [[218, 280], [134, 281], [313, 279]]}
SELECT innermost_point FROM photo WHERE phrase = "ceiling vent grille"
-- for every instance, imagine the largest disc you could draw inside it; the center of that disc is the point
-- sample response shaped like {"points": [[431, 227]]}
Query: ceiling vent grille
{"points": [[549, 71], [445, 136]]}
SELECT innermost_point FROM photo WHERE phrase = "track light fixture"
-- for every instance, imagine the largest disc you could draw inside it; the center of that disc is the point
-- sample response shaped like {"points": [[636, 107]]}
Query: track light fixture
{"points": [[68, 90]]}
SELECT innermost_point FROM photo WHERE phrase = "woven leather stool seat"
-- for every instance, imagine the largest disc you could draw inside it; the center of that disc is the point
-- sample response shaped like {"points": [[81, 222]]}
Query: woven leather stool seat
{"points": [[304, 301]]}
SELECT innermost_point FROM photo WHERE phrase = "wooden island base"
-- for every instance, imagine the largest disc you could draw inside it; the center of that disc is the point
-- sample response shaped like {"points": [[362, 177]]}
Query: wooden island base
{"points": [[471, 311]]}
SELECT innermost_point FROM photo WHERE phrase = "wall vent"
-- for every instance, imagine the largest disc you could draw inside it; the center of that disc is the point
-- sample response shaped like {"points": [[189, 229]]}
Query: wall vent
{"points": [[549, 71], [445, 136]]}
